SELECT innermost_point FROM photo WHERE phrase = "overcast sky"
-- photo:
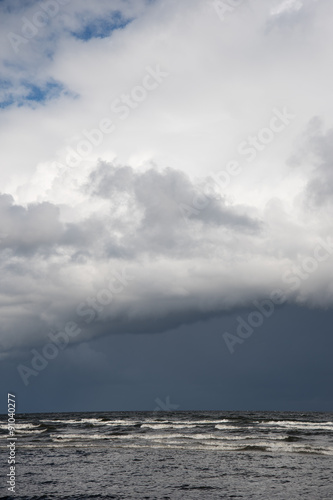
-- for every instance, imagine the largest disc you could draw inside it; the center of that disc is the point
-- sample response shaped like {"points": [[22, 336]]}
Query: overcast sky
{"points": [[166, 204]]}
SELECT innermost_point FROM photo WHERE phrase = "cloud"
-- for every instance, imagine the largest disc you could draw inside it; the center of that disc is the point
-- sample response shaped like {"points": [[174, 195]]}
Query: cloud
{"points": [[182, 270], [316, 155], [144, 199], [143, 215], [287, 7], [28, 94]]}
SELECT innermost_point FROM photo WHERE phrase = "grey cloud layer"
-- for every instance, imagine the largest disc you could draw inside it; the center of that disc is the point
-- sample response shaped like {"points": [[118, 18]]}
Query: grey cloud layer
{"points": [[183, 269], [144, 215], [52, 265]]}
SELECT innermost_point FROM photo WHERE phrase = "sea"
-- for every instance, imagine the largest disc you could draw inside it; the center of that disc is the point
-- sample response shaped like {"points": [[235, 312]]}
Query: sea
{"points": [[170, 455]]}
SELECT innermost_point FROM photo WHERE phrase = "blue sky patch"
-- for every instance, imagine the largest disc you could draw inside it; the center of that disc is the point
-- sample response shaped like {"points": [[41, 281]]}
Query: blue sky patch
{"points": [[40, 94], [30, 93], [8, 101], [102, 27]]}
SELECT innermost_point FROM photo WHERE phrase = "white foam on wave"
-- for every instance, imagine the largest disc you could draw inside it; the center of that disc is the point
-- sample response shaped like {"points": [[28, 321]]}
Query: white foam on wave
{"points": [[69, 437], [94, 421], [168, 426], [222, 427], [294, 424], [184, 422], [33, 431], [196, 422], [221, 437], [114, 423], [163, 446], [204, 437], [173, 424], [149, 421], [152, 437], [181, 446], [296, 448], [61, 421], [208, 446], [182, 437], [20, 426], [57, 445], [166, 437], [144, 423]]}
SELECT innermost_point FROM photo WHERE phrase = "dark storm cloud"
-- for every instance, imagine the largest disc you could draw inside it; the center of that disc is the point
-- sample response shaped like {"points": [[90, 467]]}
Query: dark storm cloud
{"points": [[285, 365]]}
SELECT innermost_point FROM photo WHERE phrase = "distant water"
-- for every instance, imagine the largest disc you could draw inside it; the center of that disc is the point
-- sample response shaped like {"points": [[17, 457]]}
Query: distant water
{"points": [[176, 455]]}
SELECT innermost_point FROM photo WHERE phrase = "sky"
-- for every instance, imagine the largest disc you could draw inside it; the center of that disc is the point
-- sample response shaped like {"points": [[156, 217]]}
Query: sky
{"points": [[166, 204]]}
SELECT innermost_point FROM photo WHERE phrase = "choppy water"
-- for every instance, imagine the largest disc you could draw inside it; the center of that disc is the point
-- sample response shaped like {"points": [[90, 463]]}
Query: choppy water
{"points": [[160, 455]]}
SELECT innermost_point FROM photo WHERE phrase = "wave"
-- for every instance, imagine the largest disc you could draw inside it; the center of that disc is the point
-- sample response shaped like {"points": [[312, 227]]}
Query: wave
{"points": [[33, 431], [295, 424], [168, 426], [143, 423], [195, 446], [60, 421], [123, 422], [152, 437], [95, 421], [266, 446], [186, 422], [165, 422], [297, 448], [197, 436], [19, 426], [69, 437], [219, 421]]}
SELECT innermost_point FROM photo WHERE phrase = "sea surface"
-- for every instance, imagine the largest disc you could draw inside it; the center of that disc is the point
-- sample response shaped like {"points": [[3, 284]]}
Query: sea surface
{"points": [[171, 455]]}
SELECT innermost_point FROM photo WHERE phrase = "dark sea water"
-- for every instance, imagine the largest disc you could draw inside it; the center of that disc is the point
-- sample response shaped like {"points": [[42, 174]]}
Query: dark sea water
{"points": [[176, 455]]}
